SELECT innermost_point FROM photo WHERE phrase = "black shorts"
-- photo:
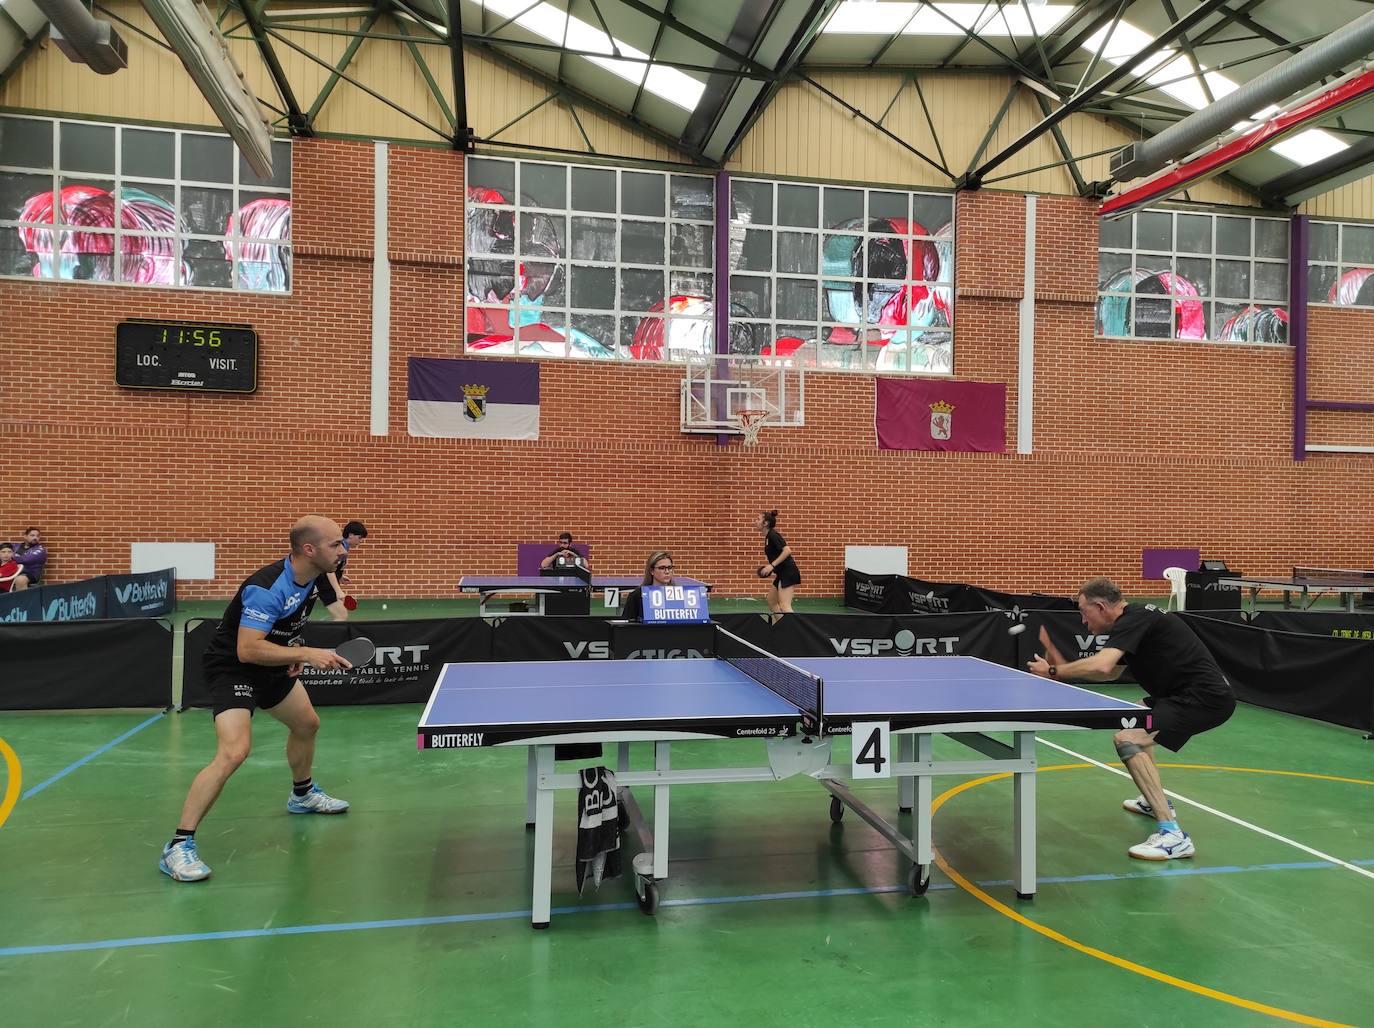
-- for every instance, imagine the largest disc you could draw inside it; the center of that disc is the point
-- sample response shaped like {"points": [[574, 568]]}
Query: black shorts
{"points": [[1179, 717], [34, 577], [235, 690]]}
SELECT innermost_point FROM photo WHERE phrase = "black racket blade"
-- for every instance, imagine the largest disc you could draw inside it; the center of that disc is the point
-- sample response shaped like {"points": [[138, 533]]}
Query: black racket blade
{"points": [[358, 652]]}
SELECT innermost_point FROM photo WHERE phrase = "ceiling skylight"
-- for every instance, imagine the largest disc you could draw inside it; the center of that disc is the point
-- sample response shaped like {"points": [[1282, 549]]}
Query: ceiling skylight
{"points": [[554, 25], [873, 18], [1172, 73]]}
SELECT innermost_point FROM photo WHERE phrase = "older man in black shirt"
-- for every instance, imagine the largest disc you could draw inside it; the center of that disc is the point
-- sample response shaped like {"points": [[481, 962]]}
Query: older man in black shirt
{"points": [[1186, 692]]}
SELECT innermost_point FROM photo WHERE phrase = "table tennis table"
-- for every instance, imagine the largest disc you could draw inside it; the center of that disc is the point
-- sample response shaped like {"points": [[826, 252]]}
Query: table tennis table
{"points": [[1310, 583], [490, 587], [794, 707]]}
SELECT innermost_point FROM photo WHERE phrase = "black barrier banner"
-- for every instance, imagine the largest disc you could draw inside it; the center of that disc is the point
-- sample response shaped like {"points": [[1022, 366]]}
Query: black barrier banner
{"points": [[1332, 625], [74, 601], [1323, 678], [923, 597], [874, 593], [978, 634], [550, 638], [24, 605], [754, 628], [409, 656], [86, 664], [991, 599], [148, 595]]}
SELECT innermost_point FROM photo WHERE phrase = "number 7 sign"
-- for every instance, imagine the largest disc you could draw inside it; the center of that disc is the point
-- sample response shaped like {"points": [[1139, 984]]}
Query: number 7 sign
{"points": [[872, 750]]}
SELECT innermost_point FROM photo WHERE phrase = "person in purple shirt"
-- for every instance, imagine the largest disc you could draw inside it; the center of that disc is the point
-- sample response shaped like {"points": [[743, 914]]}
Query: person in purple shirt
{"points": [[32, 556]]}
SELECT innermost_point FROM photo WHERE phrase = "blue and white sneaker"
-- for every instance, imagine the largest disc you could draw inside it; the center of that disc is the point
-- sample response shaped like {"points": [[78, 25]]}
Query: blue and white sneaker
{"points": [[316, 801], [182, 863], [1140, 805], [1164, 846]]}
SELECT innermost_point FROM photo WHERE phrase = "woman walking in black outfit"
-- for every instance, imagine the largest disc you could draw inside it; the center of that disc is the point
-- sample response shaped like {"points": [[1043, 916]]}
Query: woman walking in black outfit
{"points": [[781, 568]]}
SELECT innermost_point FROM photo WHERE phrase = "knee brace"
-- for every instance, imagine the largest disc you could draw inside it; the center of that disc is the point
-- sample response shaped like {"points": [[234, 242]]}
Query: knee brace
{"points": [[1127, 750]]}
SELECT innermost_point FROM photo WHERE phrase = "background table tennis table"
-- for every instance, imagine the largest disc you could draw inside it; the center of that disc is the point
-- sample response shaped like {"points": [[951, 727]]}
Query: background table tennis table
{"points": [[489, 587], [541, 703], [1311, 583]]}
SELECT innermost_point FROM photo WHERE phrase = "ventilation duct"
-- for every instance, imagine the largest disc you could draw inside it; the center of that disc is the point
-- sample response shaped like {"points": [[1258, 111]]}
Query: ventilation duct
{"points": [[84, 39], [191, 32], [1351, 44]]}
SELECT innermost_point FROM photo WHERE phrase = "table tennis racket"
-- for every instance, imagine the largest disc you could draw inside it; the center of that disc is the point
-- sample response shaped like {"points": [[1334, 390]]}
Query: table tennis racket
{"points": [[350, 603], [358, 652]]}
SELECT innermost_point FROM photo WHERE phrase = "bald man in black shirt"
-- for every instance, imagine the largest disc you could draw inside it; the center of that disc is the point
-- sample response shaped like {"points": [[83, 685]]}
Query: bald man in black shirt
{"points": [[1186, 692]]}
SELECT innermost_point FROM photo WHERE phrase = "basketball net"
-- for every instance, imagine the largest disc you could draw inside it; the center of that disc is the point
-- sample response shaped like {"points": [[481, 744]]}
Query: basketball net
{"points": [[750, 424]]}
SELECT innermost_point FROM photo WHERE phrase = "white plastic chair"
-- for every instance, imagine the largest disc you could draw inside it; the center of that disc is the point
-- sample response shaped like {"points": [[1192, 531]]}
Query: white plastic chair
{"points": [[1178, 589]]}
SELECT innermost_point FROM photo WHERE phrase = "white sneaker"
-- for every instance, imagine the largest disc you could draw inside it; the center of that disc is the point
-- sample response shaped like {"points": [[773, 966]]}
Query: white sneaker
{"points": [[1140, 805], [1164, 846], [316, 801], [182, 863]]}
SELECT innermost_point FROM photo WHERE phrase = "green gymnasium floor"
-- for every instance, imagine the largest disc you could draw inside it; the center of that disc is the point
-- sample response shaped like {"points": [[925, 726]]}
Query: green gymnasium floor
{"points": [[413, 908]]}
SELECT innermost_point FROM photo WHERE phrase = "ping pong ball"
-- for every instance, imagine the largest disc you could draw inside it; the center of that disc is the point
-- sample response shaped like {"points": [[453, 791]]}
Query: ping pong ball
{"points": [[383, 606], [1016, 629]]}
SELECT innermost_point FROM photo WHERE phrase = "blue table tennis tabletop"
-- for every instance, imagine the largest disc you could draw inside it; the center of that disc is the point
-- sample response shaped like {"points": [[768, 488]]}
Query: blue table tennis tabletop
{"points": [[524, 699]]}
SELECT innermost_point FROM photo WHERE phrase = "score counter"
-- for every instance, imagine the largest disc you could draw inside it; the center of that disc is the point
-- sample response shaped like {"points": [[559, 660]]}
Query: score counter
{"points": [[188, 355]]}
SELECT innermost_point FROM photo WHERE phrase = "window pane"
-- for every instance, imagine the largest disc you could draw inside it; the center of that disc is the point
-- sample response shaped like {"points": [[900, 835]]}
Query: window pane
{"points": [[797, 300], [932, 213], [1271, 238], [1227, 324], [484, 173], [1113, 272], [1154, 231], [543, 185], [593, 288], [20, 251], [750, 297], [89, 148], [757, 251], [1115, 233], [797, 205], [26, 143], [1357, 244], [691, 283], [1322, 240], [148, 153], [642, 193], [207, 158], [489, 230], [542, 235], [693, 197], [593, 239], [1154, 318], [1355, 286], [1271, 282], [887, 258], [281, 167], [1113, 316], [1194, 233], [641, 290], [207, 265], [87, 202], [490, 281], [1194, 277], [691, 246], [151, 206], [26, 197], [1321, 283], [887, 205], [1233, 236], [1233, 279], [751, 202], [593, 189], [642, 242], [592, 335], [843, 207], [545, 285], [797, 253], [263, 267]]}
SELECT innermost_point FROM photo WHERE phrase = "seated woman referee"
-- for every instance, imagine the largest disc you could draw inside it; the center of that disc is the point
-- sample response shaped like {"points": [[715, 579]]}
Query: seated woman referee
{"points": [[658, 570]]}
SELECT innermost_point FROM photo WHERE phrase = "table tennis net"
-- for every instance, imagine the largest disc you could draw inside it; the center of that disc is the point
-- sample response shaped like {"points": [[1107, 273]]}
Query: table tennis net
{"points": [[802, 689], [1354, 576]]}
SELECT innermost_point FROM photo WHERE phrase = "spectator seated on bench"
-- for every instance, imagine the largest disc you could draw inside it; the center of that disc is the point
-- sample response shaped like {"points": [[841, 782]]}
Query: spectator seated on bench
{"points": [[32, 556]]}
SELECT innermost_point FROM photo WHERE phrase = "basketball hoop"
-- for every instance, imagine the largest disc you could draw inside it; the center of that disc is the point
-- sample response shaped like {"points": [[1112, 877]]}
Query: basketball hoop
{"points": [[750, 423]]}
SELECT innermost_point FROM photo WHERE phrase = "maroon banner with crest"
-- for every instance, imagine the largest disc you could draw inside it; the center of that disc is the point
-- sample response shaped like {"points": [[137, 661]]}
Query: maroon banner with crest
{"points": [[935, 414]]}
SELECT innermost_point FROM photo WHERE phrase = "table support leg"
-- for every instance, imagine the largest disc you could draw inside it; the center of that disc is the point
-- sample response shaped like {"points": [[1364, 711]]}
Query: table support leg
{"points": [[662, 762], [542, 900], [906, 787], [531, 785], [1024, 818]]}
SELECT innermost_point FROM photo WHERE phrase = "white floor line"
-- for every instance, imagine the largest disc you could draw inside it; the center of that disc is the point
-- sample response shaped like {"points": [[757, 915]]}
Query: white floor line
{"points": [[1218, 813]]}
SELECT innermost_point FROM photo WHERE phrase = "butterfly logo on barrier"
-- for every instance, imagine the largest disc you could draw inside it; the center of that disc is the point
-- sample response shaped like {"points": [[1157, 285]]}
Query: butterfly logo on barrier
{"points": [[1128, 722]]}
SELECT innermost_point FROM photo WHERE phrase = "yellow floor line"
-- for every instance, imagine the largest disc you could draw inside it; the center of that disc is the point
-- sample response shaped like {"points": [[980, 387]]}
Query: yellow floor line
{"points": [[13, 778], [1110, 958]]}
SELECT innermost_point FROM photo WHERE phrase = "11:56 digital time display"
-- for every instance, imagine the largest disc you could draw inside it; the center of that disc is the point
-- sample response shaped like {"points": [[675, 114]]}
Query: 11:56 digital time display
{"points": [[186, 355]]}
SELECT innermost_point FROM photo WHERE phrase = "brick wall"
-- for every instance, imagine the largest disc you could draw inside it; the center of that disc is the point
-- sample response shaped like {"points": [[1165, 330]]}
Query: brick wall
{"points": [[1137, 444]]}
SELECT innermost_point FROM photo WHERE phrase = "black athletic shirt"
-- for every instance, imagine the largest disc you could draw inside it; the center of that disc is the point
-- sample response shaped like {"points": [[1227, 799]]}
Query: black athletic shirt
{"points": [[269, 600], [1164, 655], [772, 549]]}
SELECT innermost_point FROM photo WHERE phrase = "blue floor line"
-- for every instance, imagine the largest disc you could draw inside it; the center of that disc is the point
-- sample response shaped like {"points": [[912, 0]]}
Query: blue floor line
{"points": [[90, 756], [696, 901]]}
